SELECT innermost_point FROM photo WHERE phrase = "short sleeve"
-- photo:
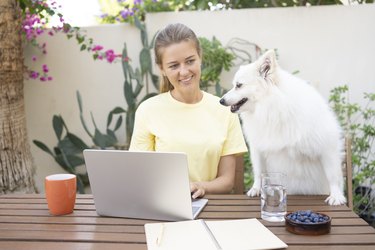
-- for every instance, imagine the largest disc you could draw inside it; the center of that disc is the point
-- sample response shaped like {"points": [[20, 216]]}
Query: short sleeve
{"points": [[235, 142], [142, 138]]}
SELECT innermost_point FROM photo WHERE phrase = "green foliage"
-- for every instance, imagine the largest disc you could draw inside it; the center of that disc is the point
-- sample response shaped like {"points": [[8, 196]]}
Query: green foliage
{"points": [[358, 123], [68, 152], [125, 11], [216, 58], [248, 172]]}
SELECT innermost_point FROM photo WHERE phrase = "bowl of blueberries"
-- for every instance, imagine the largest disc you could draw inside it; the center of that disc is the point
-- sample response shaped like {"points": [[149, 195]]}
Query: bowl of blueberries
{"points": [[307, 222]]}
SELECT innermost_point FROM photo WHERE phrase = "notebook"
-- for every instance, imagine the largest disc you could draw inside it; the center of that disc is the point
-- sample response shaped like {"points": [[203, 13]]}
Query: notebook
{"points": [[241, 234], [144, 185]]}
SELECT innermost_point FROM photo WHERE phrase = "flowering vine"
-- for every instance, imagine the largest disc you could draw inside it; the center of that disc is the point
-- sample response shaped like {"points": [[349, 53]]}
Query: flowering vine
{"points": [[35, 16], [122, 11]]}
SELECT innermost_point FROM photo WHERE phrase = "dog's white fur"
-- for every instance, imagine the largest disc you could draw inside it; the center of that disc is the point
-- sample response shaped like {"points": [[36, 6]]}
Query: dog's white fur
{"points": [[289, 128]]}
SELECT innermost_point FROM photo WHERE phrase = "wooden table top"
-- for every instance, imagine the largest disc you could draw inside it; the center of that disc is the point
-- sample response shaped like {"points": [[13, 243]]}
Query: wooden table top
{"points": [[26, 224]]}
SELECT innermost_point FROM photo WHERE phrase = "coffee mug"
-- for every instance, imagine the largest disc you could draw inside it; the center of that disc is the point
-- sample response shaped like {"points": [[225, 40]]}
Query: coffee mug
{"points": [[61, 193]]}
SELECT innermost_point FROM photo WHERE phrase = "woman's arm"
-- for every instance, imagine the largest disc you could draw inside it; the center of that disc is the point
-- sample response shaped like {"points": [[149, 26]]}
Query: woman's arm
{"points": [[224, 181]]}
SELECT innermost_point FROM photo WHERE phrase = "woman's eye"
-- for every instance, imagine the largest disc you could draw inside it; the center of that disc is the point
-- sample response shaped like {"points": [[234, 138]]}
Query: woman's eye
{"points": [[174, 66], [190, 61], [238, 85]]}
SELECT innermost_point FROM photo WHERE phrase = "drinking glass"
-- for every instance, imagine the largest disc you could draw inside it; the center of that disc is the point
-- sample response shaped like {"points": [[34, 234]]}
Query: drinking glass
{"points": [[273, 196]]}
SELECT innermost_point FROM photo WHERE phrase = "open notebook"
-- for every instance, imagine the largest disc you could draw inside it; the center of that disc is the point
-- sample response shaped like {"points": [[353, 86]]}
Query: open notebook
{"points": [[145, 185], [199, 234]]}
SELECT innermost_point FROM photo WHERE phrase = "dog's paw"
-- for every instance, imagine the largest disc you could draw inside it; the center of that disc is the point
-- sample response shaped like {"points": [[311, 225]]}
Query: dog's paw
{"points": [[253, 192], [335, 200]]}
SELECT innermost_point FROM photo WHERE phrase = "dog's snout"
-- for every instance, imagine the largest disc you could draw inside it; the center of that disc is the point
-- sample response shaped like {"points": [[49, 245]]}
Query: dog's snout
{"points": [[222, 101]]}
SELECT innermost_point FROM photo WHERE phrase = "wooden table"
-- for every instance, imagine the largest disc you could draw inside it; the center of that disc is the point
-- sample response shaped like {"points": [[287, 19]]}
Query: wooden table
{"points": [[26, 224]]}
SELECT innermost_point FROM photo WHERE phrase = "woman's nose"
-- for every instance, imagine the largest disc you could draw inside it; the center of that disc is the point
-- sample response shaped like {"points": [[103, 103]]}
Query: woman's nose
{"points": [[184, 69]]}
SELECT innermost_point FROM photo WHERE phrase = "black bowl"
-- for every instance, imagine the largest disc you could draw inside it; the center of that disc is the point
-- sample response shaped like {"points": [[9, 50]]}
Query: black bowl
{"points": [[308, 227]]}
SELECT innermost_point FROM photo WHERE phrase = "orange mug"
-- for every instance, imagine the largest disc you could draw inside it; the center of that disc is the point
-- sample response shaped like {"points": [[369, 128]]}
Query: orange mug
{"points": [[61, 193]]}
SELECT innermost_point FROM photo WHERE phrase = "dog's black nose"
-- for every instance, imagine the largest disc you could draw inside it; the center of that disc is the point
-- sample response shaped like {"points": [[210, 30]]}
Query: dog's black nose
{"points": [[222, 101]]}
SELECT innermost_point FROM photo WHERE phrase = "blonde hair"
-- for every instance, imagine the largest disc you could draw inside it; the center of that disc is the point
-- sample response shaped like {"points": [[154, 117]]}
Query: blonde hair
{"points": [[171, 34]]}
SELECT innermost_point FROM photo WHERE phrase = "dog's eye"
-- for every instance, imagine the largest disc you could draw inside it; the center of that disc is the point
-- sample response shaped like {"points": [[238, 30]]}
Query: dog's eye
{"points": [[238, 85]]}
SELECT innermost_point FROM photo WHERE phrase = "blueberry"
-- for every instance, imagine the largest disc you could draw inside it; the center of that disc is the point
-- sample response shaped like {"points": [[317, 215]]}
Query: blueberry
{"points": [[307, 216]]}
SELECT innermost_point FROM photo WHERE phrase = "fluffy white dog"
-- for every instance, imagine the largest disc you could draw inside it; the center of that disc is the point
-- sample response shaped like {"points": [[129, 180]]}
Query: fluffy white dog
{"points": [[289, 128]]}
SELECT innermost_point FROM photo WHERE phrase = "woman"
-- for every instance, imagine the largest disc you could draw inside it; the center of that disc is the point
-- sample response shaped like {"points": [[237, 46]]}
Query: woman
{"points": [[184, 118]]}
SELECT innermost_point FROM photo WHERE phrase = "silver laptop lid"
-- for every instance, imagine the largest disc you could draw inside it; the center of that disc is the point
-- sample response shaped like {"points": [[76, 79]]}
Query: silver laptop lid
{"points": [[146, 185]]}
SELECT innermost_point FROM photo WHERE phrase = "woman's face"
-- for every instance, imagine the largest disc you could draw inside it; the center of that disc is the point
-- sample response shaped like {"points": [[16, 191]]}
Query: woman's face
{"points": [[181, 64]]}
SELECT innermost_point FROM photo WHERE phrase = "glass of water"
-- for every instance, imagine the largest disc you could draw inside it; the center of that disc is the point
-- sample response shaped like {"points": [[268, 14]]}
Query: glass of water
{"points": [[273, 196]]}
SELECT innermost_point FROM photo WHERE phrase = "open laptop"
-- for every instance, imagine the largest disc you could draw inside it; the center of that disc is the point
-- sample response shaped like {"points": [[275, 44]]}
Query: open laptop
{"points": [[144, 185]]}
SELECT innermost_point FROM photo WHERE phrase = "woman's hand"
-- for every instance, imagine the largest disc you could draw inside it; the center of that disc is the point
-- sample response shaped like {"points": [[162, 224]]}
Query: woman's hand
{"points": [[197, 190], [223, 183]]}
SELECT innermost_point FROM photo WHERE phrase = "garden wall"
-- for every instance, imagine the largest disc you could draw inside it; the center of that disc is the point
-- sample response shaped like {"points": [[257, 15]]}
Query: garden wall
{"points": [[328, 45]]}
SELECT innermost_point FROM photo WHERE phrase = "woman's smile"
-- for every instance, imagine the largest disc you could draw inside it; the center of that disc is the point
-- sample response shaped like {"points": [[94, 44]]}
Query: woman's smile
{"points": [[186, 80]]}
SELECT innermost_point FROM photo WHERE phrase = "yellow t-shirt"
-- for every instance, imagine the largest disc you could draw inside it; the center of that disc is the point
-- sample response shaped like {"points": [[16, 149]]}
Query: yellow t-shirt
{"points": [[205, 131]]}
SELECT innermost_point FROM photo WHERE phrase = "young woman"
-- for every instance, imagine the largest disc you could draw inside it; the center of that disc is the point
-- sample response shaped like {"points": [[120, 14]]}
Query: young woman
{"points": [[183, 118]]}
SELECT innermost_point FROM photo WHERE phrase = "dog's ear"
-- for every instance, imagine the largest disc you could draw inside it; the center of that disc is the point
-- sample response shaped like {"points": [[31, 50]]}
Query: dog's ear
{"points": [[267, 65]]}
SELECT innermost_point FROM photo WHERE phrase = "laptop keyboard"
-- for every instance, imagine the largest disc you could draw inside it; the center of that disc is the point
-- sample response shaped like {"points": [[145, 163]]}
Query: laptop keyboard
{"points": [[195, 209]]}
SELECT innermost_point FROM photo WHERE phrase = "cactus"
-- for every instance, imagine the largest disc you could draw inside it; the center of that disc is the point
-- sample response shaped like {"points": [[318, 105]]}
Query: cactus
{"points": [[68, 151]]}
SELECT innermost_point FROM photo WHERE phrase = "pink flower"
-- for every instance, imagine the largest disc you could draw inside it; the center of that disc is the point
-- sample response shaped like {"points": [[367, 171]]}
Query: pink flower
{"points": [[33, 74], [110, 55], [33, 58], [45, 68], [97, 48]]}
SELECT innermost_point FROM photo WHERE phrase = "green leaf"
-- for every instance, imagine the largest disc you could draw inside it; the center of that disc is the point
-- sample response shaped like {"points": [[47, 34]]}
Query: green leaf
{"points": [[93, 120], [80, 185], [130, 124], [43, 147], [77, 141], [63, 161], [155, 80], [83, 47], [138, 24], [80, 38], [118, 123], [118, 110], [111, 134], [57, 123], [125, 63], [69, 163], [68, 147], [103, 141], [153, 41], [115, 111], [145, 60], [79, 100], [128, 93]]}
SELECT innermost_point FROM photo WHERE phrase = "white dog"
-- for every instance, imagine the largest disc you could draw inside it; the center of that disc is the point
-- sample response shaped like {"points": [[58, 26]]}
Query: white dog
{"points": [[289, 128]]}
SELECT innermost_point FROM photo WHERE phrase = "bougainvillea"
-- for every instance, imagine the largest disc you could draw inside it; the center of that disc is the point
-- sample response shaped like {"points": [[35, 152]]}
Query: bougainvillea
{"points": [[36, 15]]}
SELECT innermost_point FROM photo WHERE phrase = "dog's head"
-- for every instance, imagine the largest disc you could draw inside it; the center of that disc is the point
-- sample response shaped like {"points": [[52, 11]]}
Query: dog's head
{"points": [[251, 83]]}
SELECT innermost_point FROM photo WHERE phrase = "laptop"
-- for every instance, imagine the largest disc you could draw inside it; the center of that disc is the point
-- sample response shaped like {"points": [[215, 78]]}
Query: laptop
{"points": [[143, 185]]}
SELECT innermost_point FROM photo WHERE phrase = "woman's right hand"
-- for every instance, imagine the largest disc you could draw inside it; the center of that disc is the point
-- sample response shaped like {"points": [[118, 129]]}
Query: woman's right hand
{"points": [[197, 189]]}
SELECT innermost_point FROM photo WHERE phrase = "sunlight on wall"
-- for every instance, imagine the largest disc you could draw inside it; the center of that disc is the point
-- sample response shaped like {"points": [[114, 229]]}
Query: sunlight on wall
{"points": [[78, 13]]}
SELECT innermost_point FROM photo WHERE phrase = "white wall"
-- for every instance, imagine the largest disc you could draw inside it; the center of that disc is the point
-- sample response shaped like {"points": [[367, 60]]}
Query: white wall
{"points": [[329, 45]]}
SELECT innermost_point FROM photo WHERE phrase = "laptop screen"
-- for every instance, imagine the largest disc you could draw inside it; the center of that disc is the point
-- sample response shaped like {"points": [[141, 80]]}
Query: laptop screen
{"points": [[146, 185]]}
